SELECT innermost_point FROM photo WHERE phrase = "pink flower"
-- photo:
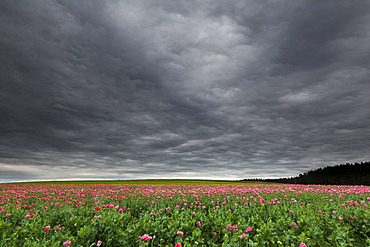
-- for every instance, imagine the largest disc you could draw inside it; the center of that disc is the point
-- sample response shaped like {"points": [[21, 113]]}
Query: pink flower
{"points": [[145, 237], [340, 218], [193, 213], [66, 243], [179, 233], [198, 223], [302, 245], [320, 212], [99, 243], [47, 228], [294, 224], [242, 236], [229, 227], [7, 215], [235, 226], [291, 211], [120, 210], [214, 234], [248, 230], [178, 245]]}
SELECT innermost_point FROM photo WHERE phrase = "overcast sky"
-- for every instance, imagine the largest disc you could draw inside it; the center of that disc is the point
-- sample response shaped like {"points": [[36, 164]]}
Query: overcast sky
{"points": [[182, 89]]}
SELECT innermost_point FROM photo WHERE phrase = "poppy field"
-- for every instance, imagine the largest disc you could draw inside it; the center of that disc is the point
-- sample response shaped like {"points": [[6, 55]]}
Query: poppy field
{"points": [[184, 215]]}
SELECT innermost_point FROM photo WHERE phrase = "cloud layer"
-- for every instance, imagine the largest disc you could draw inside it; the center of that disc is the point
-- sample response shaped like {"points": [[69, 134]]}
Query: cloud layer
{"points": [[182, 89]]}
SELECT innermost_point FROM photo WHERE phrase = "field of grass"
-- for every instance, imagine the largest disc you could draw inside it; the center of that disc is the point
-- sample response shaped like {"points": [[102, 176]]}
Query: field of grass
{"points": [[147, 181], [190, 213]]}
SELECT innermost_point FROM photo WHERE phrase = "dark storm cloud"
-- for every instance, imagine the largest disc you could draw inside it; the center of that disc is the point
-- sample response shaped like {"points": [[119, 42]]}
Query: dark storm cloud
{"points": [[197, 89]]}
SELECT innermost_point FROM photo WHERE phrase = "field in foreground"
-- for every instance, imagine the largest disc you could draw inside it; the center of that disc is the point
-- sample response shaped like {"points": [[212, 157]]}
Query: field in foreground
{"points": [[183, 215]]}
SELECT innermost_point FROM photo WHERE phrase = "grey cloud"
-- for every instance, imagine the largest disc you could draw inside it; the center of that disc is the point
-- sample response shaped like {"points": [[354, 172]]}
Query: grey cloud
{"points": [[123, 89]]}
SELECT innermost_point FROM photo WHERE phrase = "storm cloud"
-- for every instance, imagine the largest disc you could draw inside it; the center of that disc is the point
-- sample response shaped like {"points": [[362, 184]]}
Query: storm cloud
{"points": [[182, 89]]}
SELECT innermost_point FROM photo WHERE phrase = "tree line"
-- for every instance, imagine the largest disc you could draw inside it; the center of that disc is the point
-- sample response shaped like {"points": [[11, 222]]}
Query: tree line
{"points": [[343, 174]]}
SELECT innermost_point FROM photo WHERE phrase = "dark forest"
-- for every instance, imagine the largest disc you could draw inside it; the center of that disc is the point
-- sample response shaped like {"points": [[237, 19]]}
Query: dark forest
{"points": [[343, 174]]}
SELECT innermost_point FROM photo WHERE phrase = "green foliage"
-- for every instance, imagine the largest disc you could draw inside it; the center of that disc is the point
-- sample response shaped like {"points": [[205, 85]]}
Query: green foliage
{"points": [[207, 215]]}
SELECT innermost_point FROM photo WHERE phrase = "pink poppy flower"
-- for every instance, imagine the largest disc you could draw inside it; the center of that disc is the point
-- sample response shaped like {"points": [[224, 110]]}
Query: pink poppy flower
{"points": [[99, 243], [178, 245], [66, 243], [214, 234], [302, 245], [242, 236], [47, 228], [145, 237], [248, 230], [179, 233], [198, 223], [229, 227]]}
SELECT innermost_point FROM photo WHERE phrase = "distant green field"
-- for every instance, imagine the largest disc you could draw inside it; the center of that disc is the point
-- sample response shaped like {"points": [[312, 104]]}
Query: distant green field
{"points": [[147, 181]]}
